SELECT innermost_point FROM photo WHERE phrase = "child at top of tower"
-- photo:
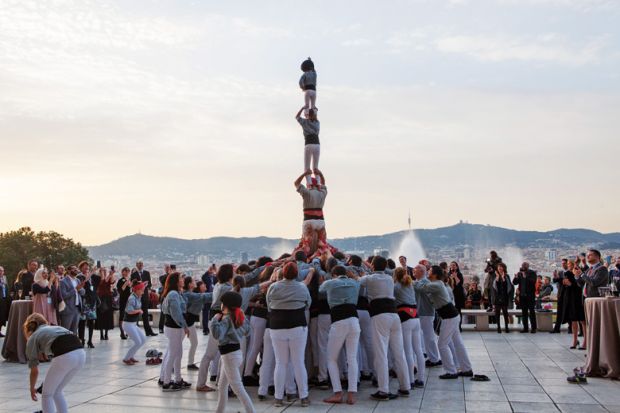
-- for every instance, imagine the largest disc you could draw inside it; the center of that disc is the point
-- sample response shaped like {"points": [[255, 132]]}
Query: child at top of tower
{"points": [[307, 83]]}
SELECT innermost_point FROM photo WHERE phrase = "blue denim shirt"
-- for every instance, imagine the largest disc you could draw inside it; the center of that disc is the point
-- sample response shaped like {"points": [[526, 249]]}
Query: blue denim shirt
{"points": [[404, 295], [196, 301], [340, 290], [225, 332], [174, 305]]}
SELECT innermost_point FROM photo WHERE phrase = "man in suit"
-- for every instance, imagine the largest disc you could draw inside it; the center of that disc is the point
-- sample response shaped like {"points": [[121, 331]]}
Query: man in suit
{"points": [[596, 276], [526, 280], [141, 274], [72, 290], [558, 278], [403, 263], [28, 278]]}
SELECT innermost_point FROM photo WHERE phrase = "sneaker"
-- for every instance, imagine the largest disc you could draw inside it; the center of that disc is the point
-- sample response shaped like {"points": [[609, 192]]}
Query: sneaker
{"points": [[184, 384], [323, 385], [380, 396], [404, 393], [171, 387], [305, 402], [577, 379], [418, 383], [466, 373], [449, 376], [278, 403], [193, 367]]}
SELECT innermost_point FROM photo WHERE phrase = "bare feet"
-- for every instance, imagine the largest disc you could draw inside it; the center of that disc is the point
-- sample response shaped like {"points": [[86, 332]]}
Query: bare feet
{"points": [[336, 398], [350, 398]]}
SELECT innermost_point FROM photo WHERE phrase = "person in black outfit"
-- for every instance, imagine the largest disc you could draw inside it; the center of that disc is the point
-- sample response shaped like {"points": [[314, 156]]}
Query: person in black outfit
{"points": [[27, 278], [558, 278], [162, 283], [501, 295], [573, 312], [88, 311], [526, 280], [123, 286], [5, 300], [455, 281], [141, 274], [208, 278]]}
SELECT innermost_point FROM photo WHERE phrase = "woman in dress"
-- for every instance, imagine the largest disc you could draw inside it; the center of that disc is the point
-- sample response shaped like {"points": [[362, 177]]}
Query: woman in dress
{"points": [[88, 314], [105, 312], [123, 286], [42, 294], [573, 311], [456, 283]]}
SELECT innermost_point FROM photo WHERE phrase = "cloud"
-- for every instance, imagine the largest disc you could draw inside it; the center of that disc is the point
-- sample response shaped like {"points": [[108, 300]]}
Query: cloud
{"points": [[551, 48], [580, 5]]}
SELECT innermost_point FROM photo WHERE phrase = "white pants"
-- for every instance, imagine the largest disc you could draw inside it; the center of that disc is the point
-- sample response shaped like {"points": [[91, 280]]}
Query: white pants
{"points": [[387, 333], [289, 345], [136, 335], [412, 342], [257, 327], [324, 322], [312, 153], [344, 332], [450, 333], [229, 375], [211, 354], [193, 344], [430, 338], [309, 100], [267, 368], [61, 371], [174, 354], [366, 341]]}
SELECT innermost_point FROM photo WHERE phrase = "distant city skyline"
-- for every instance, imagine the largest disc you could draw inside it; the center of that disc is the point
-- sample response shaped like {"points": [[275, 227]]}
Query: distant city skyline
{"points": [[176, 118]]}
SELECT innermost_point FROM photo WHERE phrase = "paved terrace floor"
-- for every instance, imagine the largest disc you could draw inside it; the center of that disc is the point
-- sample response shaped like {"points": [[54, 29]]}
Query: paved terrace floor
{"points": [[528, 374]]}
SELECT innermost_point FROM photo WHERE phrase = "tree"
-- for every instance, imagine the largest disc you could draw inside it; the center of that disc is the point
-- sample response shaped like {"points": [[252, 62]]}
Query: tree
{"points": [[49, 248]]}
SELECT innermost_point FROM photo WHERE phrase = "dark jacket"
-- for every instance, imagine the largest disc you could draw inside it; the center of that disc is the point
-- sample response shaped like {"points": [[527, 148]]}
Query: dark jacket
{"points": [[527, 284], [596, 276]]}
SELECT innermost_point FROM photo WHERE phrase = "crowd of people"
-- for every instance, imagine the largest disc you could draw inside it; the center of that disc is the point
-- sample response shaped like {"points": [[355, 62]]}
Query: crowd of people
{"points": [[288, 324]]}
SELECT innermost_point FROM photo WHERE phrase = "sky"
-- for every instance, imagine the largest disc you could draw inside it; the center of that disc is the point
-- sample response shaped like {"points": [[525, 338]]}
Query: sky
{"points": [[176, 118]]}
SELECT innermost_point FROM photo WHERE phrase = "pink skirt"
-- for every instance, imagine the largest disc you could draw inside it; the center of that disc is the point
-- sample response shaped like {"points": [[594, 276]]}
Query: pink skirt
{"points": [[42, 306]]}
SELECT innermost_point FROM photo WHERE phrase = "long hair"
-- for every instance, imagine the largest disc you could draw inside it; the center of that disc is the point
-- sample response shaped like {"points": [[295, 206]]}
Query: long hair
{"points": [[33, 322], [401, 277], [238, 283], [172, 283], [236, 316], [187, 282]]}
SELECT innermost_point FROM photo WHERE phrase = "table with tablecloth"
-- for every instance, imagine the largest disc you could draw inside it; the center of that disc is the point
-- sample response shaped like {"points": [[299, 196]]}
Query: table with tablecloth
{"points": [[14, 346], [603, 337]]}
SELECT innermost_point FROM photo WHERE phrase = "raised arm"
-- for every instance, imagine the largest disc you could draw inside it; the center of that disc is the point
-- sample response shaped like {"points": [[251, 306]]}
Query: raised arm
{"points": [[298, 180], [320, 174], [299, 113]]}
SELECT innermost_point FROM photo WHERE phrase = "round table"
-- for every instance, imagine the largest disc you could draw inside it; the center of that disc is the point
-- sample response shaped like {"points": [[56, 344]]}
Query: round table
{"points": [[14, 346], [603, 337]]}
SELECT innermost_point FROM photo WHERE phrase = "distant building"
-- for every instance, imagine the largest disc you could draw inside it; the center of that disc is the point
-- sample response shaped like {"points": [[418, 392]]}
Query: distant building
{"points": [[202, 260], [551, 255], [244, 257], [381, 252]]}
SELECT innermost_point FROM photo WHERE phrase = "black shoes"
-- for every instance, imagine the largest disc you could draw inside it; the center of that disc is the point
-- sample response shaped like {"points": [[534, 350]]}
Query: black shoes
{"points": [[193, 367], [533, 331], [151, 334], [90, 344], [404, 393], [123, 337], [466, 373], [323, 385], [449, 376], [184, 385], [433, 364], [250, 381], [383, 397], [171, 387], [418, 383], [524, 331], [366, 377]]}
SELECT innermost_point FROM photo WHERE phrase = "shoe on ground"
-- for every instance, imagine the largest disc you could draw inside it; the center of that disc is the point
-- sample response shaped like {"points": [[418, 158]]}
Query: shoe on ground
{"points": [[323, 385], [290, 398], [449, 376], [468, 373], [250, 381], [380, 396], [160, 382], [403, 393], [418, 383], [577, 379], [533, 331], [193, 367], [205, 389], [305, 402], [262, 398], [366, 377], [170, 387], [184, 384], [278, 403], [271, 390], [524, 331]]}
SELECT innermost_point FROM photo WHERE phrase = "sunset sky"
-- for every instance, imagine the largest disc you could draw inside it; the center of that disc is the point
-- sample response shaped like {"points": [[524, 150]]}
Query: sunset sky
{"points": [[177, 117]]}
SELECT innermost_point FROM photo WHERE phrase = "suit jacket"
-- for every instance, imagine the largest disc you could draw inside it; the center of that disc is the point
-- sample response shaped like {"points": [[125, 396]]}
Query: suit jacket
{"points": [[67, 291], [146, 276], [597, 276], [527, 283]]}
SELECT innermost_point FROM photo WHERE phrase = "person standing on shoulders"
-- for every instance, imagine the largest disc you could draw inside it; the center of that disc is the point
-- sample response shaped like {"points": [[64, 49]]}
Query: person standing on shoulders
{"points": [[526, 280], [141, 274]]}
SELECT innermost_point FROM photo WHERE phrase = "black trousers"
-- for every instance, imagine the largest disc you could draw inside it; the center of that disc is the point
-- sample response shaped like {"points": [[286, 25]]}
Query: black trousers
{"points": [[503, 309], [145, 313], [528, 311]]}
